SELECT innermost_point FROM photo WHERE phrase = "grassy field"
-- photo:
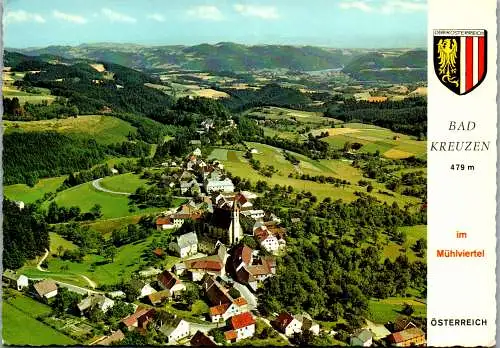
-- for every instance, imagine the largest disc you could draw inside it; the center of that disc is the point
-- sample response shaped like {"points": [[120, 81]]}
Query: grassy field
{"points": [[44, 94], [56, 241], [413, 233], [22, 192], [382, 311], [128, 182], [390, 144], [20, 328], [113, 205], [109, 225], [128, 259], [104, 129], [27, 304], [238, 165], [276, 113]]}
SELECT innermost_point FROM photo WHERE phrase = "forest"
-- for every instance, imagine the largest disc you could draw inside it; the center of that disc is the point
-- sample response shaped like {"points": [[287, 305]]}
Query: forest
{"points": [[25, 234]]}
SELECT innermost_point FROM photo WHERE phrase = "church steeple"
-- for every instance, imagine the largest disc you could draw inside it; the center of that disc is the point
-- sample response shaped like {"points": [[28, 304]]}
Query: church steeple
{"points": [[235, 231]]}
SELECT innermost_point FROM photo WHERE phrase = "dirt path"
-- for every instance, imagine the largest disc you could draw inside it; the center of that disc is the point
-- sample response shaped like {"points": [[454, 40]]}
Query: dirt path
{"points": [[39, 265], [91, 283]]}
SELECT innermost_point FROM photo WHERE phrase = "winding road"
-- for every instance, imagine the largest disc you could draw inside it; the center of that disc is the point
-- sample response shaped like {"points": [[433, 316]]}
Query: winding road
{"points": [[97, 185], [39, 265]]}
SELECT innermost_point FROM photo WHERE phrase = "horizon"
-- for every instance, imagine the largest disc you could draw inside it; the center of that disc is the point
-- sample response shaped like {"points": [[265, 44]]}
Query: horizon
{"points": [[368, 24]]}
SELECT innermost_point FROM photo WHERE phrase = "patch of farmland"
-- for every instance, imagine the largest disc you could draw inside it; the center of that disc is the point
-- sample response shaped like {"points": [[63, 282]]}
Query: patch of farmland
{"points": [[218, 154], [397, 154], [211, 93]]}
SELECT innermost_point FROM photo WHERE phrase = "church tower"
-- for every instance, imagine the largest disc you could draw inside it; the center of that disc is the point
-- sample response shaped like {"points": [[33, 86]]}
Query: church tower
{"points": [[235, 231]]}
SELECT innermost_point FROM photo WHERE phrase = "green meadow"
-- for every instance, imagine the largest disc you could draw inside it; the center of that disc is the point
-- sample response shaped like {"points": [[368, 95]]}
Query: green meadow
{"points": [[127, 182], [382, 311], [22, 192]]}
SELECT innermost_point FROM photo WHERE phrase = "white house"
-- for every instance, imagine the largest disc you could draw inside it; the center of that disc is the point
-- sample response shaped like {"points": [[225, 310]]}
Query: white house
{"points": [[146, 290], [185, 245], [169, 281], [100, 301], [287, 324], [46, 289], [308, 323], [223, 312], [175, 330], [225, 185], [267, 240], [197, 152], [363, 338], [16, 281], [242, 326]]}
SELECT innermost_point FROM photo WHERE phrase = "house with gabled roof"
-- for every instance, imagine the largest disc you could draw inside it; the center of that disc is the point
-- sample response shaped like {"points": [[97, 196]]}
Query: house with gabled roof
{"points": [[116, 336], [287, 324], [413, 336], [241, 326], [307, 323], [139, 319], [95, 300], [363, 338], [159, 297], [202, 340], [169, 281], [46, 289], [175, 329], [185, 245], [251, 270], [17, 281]]}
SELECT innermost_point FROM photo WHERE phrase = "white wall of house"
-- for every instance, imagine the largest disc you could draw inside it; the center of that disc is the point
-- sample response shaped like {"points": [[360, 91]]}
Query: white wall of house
{"points": [[294, 326], [22, 282], [270, 244], [51, 294], [182, 330], [176, 289], [245, 332]]}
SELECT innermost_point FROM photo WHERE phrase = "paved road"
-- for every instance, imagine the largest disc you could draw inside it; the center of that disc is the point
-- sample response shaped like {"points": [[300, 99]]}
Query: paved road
{"points": [[201, 327], [97, 185], [247, 294]]}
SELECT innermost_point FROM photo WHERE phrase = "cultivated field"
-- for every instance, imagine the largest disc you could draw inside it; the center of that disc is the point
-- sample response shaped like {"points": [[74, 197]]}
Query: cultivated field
{"points": [[104, 129], [275, 113], [11, 92], [127, 182], [238, 165], [382, 311], [22, 192]]}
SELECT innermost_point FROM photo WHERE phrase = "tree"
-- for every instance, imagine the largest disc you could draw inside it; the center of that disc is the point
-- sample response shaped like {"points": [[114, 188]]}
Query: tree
{"points": [[234, 293], [218, 335], [65, 301], [408, 309], [96, 314], [96, 210], [110, 252], [60, 250]]}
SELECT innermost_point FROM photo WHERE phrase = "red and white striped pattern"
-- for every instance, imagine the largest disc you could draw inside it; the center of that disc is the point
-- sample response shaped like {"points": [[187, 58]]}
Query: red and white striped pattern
{"points": [[472, 61]]}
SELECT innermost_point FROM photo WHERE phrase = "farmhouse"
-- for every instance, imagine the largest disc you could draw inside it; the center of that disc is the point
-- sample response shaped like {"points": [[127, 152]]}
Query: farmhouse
{"points": [[201, 340], [363, 338], [185, 245], [409, 337], [46, 289], [99, 301], [164, 223], [140, 319], [242, 326], [287, 324], [169, 281], [143, 288], [175, 329], [251, 270], [224, 185], [211, 265], [116, 336], [159, 297], [14, 280], [307, 323]]}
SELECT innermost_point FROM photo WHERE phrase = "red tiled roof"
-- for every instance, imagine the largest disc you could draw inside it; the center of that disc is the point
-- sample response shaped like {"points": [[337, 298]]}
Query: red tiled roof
{"points": [[261, 234], [243, 253], [283, 320], [230, 335], [220, 309], [168, 279], [211, 265], [163, 220], [242, 320], [405, 335], [201, 340], [133, 318], [240, 301]]}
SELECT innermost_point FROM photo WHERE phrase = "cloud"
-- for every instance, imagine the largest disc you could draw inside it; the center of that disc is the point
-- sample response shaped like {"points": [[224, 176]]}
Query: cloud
{"points": [[23, 16], [264, 12], [358, 5], [207, 12], [156, 17], [69, 17], [385, 6], [114, 16]]}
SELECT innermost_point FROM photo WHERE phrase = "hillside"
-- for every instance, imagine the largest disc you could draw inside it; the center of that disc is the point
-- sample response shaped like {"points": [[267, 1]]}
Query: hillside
{"points": [[228, 56]]}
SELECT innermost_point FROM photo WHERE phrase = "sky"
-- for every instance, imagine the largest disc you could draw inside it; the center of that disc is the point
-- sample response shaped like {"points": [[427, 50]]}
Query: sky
{"points": [[333, 23]]}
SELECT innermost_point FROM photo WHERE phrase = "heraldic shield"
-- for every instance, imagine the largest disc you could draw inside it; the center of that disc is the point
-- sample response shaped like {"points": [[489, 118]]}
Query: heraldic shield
{"points": [[460, 58]]}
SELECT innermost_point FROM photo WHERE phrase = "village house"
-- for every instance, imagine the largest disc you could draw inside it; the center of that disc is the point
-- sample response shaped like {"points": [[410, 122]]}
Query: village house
{"points": [[410, 337], [46, 289], [363, 338], [223, 305], [251, 270], [175, 330], [97, 300], [307, 323], [270, 237], [242, 326], [16, 281], [115, 337], [224, 185], [287, 324], [201, 340], [191, 186], [197, 152], [159, 297], [169, 281], [185, 245], [143, 288], [212, 265], [139, 319], [165, 223]]}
